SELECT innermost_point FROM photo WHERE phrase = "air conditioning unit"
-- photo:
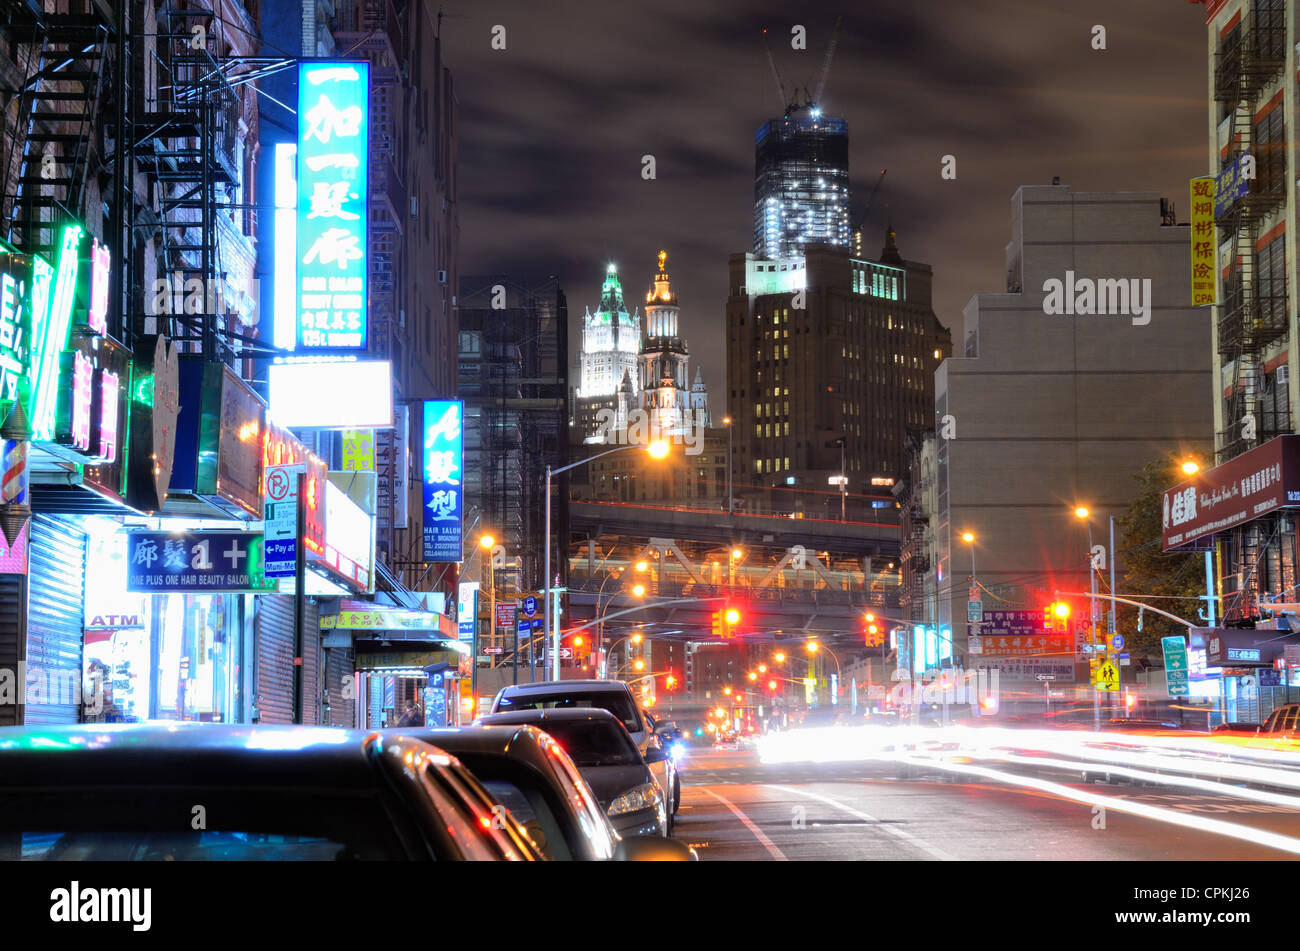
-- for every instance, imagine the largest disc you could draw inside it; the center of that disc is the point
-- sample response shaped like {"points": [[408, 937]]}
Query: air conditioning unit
{"points": [[1284, 375], [442, 277]]}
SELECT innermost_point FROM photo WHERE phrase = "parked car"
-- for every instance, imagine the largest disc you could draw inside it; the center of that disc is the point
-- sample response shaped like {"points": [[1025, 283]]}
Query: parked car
{"points": [[612, 695], [199, 791], [602, 749], [530, 774], [1236, 726]]}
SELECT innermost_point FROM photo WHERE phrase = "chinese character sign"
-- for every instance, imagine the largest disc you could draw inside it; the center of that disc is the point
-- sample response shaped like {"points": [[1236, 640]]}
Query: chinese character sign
{"points": [[443, 480], [333, 139], [1202, 238]]}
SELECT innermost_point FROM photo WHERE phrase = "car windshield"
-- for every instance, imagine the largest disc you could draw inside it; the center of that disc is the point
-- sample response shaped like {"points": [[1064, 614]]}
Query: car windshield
{"points": [[615, 701], [593, 742], [178, 824]]}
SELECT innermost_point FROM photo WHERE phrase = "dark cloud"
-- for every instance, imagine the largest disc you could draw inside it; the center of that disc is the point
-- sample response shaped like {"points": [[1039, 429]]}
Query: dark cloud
{"points": [[552, 129]]}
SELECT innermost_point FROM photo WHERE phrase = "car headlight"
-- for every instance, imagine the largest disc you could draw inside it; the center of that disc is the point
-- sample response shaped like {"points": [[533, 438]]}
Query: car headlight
{"points": [[634, 800]]}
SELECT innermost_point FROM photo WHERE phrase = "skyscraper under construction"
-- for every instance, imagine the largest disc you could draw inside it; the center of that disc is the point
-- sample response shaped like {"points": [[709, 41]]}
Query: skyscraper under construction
{"points": [[801, 183]]}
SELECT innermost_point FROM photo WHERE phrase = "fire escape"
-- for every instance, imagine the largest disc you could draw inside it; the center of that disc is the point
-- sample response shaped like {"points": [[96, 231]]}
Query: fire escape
{"points": [[185, 127], [1253, 312], [50, 159], [370, 30]]}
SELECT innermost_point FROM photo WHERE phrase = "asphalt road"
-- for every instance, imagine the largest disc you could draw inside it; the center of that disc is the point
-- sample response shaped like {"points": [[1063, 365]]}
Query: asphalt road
{"points": [[736, 808]]}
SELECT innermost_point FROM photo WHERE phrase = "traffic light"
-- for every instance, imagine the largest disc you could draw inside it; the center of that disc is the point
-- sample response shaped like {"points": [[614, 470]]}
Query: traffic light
{"points": [[871, 631], [1056, 617], [670, 682], [717, 625], [730, 618]]}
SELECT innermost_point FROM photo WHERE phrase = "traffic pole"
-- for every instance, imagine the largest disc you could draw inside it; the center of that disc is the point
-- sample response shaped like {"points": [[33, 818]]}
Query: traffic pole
{"points": [[299, 597]]}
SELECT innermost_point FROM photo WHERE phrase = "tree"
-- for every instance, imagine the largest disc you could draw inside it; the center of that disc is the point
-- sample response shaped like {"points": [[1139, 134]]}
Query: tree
{"points": [[1150, 572]]}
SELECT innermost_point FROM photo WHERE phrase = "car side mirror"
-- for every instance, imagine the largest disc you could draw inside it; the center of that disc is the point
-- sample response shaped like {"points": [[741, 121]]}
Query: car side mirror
{"points": [[653, 849], [655, 754]]}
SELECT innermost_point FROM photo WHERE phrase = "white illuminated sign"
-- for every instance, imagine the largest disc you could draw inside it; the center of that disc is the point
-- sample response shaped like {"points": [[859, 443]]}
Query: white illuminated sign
{"points": [[355, 394]]}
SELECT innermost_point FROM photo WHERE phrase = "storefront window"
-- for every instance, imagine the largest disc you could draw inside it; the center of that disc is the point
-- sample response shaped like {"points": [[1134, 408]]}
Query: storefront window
{"points": [[198, 656], [156, 657]]}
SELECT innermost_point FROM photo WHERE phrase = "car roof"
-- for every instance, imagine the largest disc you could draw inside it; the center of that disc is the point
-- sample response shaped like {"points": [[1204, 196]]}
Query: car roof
{"points": [[194, 753], [567, 686], [563, 714], [518, 741]]}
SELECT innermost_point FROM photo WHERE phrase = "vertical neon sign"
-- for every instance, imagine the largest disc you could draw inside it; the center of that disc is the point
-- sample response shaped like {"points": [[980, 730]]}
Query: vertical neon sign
{"points": [[333, 204], [443, 489]]}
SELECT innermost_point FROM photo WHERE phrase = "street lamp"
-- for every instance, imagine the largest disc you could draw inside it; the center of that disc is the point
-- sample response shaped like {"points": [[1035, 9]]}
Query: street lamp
{"points": [[814, 647], [969, 539], [843, 482], [726, 421], [1190, 467], [658, 449]]}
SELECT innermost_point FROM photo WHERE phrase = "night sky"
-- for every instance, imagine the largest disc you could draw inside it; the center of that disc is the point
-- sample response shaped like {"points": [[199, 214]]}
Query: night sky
{"points": [[552, 130]]}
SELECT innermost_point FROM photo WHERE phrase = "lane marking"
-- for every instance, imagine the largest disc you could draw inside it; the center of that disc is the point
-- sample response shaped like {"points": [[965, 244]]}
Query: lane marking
{"points": [[758, 833], [1256, 836], [933, 851]]}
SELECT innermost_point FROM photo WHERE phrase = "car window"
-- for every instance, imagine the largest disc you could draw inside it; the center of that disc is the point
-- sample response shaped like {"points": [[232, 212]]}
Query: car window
{"points": [[594, 742], [529, 808], [134, 824], [617, 702], [1271, 722], [465, 828], [1286, 722], [590, 816], [487, 818]]}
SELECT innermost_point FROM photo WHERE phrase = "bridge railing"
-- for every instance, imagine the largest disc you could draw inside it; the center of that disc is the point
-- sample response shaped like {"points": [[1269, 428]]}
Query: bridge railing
{"points": [[861, 596]]}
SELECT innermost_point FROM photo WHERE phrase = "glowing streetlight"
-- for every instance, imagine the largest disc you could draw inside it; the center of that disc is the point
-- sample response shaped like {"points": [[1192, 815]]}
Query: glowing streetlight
{"points": [[968, 537], [641, 566], [1190, 467], [762, 668], [1081, 512], [638, 589], [813, 647], [780, 658], [727, 691], [753, 676], [636, 638], [639, 665], [486, 541], [736, 554], [658, 449]]}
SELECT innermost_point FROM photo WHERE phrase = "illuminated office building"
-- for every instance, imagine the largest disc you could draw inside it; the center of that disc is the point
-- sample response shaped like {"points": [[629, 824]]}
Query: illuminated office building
{"points": [[801, 183]]}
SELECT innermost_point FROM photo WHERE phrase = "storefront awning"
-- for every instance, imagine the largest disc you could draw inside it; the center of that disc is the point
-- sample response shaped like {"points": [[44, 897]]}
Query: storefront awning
{"points": [[391, 622]]}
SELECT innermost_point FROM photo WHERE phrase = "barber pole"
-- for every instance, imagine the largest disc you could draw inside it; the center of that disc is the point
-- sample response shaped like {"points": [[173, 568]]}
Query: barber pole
{"points": [[15, 504]]}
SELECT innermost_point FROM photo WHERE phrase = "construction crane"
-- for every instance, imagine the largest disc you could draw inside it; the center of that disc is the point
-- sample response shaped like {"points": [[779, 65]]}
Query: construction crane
{"points": [[826, 63], [776, 73], [857, 224]]}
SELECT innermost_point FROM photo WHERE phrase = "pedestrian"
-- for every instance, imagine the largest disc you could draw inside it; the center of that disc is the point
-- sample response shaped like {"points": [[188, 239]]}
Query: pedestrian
{"points": [[409, 716]]}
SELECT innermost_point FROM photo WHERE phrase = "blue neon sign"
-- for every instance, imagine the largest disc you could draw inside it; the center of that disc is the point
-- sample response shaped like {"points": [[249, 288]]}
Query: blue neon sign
{"points": [[333, 204], [443, 480]]}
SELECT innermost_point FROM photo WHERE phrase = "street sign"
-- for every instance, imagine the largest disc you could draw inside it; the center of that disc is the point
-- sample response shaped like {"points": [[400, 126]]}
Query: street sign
{"points": [[975, 644], [281, 545], [1124, 660], [975, 611], [1107, 676], [1270, 678], [493, 650], [1176, 672], [1117, 641], [195, 562], [1046, 677], [506, 612], [530, 606]]}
